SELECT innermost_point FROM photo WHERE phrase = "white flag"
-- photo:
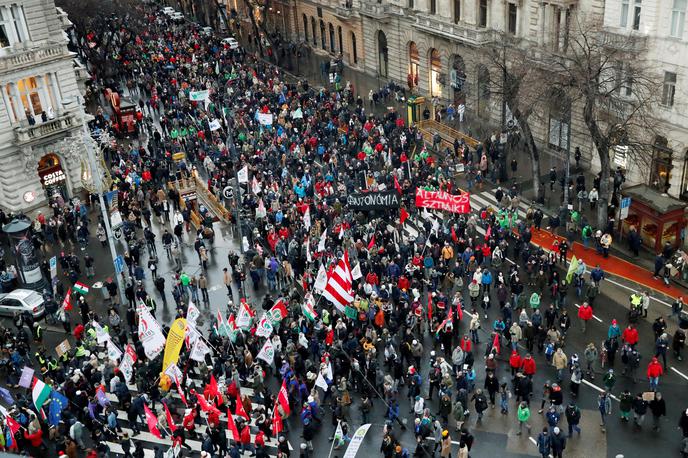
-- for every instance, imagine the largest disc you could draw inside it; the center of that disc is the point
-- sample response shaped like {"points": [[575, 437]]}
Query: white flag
{"points": [[243, 175], [330, 375], [321, 382], [192, 314], [309, 258], [321, 243], [114, 353], [267, 353], [260, 211], [356, 272], [264, 328], [321, 280], [214, 125], [150, 333], [341, 231], [255, 186], [307, 219], [101, 335], [200, 349], [192, 335], [356, 441], [174, 372], [244, 316]]}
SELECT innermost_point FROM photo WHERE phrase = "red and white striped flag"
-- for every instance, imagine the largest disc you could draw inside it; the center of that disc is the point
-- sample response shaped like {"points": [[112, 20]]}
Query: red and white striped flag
{"points": [[339, 289]]}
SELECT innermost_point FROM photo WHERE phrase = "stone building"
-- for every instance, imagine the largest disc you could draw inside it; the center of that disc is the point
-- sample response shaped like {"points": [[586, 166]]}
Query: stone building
{"points": [[41, 147]]}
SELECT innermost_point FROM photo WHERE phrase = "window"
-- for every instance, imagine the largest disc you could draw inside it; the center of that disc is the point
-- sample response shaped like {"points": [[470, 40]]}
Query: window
{"points": [[678, 18], [511, 23], [383, 55], [30, 96], [305, 28], [433, 6], [482, 13], [410, 4], [636, 15], [559, 121], [354, 51], [315, 33], [483, 90], [662, 158], [624, 80], [669, 89], [341, 40], [323, 40], [332, 45], [12, 25], [624, 14], [457, 11]]}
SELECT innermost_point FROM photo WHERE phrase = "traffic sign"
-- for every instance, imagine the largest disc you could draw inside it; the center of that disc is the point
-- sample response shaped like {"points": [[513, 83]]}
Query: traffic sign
{"points": [[228, 192], [119, 264], [117, 233], [625, 206]]}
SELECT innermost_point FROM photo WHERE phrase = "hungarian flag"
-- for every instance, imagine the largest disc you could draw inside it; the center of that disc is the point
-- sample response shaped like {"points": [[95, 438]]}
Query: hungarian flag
{"points": [[80, 288], [308, 309], [170, 420], [240, 411], [232, 426], [397, 186], [283, 398], [403, 216], [12, 424], [152, 421], [40, 393], [277, 425], [278, 311], [429, 307], [453, 235], [67, 302], [371, 244]]}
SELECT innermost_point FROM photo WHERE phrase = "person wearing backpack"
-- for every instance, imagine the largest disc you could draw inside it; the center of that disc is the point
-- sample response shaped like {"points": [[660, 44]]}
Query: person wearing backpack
{"points": [[586, 234], [573, 416]]}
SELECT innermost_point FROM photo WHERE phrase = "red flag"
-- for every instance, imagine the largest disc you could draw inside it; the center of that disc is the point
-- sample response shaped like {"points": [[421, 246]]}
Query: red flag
{"points": [[495, 342], [240, 411], [204, 403], [277, 425], [212, 387], [12, 424], [283, 398], [429, 307], [179, 390], [170, 420], [453, 235], [67, 302], [459, 313], [371, 244], [488, 232], [403, 216], [396, 185], [232, 426], [152, 421]]}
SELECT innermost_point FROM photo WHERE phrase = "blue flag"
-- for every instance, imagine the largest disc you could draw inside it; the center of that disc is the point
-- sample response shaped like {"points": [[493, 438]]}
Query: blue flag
{"points": [[6, 396], [58, 402], [9, 438]]}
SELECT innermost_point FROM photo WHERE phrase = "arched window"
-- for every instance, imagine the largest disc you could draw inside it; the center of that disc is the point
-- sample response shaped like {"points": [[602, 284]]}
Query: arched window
{"points": [[314, 30], [435, 62], [305, 28], [354, 49], [457, 78], [483, 90], [332, 44], [662, 164], [559, 120], [323, 40], [382, 54], [341, 40], [414, 65]]}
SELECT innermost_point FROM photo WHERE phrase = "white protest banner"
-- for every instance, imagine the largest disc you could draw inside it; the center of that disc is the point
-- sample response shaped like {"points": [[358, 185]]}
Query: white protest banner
{"points": [[200, 349], [150, 333], [267, 353], [243, 175], [265, 119], [307, 219], [264, 328], [101, 335], [321, 382], [244, 316], [126, 367], [214, 125], [356, 272], [356, 441], [26, 377], [198, 96], [114, 353], [192, 314], [192, 335], [174, 372], [321, 280], [321, 242]]}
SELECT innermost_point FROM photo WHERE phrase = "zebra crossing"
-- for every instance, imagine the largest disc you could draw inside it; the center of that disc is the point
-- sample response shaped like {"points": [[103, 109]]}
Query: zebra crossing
{"points": [[149, 441]]}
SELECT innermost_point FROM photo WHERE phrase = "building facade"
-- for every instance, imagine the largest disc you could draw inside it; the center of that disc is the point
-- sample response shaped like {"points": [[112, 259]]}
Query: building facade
{"points": [[41, 118], [437, 48]]}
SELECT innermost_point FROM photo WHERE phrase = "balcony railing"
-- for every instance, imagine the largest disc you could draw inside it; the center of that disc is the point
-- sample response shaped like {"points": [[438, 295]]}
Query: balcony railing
{"points": [[375, 10], [14, 58], [622, 40], [466, 33], [26, 133]]}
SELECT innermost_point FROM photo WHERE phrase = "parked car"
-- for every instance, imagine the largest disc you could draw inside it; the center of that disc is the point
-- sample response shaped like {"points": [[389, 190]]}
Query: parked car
{"points": [[177, 17], [168, 10], [233, 44], [207, 31], [22, 300]]}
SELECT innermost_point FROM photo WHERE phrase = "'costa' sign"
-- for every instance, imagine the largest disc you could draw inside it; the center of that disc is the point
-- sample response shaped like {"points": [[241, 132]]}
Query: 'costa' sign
{"points": [[53, 177], [440, 200]]}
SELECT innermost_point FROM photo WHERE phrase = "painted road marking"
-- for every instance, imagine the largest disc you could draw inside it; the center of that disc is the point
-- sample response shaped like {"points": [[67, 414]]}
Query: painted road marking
{"points": [[595, 317], [679, 373], [532, 440], [595, 387]]}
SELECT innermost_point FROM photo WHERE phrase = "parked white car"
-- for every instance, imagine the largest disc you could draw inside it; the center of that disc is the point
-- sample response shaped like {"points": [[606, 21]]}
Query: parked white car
{"points": [[207, 31], [233, 44], [177, 17], [168, 10], [22, 300]]}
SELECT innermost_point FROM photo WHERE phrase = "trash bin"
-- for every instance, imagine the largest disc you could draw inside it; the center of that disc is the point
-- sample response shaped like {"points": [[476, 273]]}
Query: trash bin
{"points": [[6, 282]]}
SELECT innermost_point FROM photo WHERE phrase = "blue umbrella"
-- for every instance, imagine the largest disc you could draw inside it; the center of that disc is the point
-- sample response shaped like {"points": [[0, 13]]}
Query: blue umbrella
{"points": [[6, 396]]}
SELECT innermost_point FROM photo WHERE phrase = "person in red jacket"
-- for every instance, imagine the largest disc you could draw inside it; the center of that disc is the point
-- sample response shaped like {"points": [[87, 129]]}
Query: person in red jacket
{"points": [[260, 439], [35, 439], [246, 444], [630, 335], [466, 344], [654, 371], [514, 362], [528, 365], [584, 315]]}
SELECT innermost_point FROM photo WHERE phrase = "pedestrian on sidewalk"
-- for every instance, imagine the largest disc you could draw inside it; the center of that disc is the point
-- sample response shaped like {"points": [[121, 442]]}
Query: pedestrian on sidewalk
{"points": [[604, 405], [654, 372], [658, 409], [585, 314], [523, 415]]}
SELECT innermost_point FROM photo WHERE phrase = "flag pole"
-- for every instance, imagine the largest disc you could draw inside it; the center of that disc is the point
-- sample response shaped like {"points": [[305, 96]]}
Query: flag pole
{"points": [[334, 438]]}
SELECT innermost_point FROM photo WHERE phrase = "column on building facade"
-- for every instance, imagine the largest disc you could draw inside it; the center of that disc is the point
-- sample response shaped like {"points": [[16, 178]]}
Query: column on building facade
{"points": [[10, 110], [43, 94], [52, 76], [562, 28], [541, 23], [18, 105], [444, 9]]}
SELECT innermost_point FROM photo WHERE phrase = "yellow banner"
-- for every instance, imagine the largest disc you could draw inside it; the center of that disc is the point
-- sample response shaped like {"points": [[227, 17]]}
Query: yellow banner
{"points": [[175, 340]]}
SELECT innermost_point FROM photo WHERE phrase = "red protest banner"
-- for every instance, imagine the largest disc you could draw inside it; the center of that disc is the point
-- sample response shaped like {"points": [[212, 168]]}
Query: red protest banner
{"points": [[440, 200]]}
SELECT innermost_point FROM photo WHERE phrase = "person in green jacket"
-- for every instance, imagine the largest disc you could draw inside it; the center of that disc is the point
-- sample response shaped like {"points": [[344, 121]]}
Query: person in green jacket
{"points": [[534, 301], [586, 234], [523, 414], [625, 405]]}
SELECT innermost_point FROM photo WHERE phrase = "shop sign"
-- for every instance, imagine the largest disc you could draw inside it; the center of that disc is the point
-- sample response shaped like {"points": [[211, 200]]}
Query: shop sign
{"points": [[54, 177], [187, 196]]}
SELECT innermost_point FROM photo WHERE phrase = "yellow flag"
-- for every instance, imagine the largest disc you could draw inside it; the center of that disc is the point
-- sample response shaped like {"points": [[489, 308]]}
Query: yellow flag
{"points": [[175, 340], [569, 274]]}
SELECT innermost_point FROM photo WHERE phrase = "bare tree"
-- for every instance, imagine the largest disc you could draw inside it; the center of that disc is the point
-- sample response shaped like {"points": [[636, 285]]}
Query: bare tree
{"points": [[258, 24], [519, 84], [618, 91]]}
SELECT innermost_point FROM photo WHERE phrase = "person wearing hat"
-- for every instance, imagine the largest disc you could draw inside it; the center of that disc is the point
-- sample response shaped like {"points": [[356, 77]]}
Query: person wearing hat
{"points": [[558, 443], [445, 450]]}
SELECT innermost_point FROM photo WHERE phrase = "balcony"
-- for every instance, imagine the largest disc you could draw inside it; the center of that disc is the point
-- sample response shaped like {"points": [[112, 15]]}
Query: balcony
{"points": [[622, 40], [17, 58], [25, 133], [468, 34], [64, 18], [378, 11], [342, 12]]}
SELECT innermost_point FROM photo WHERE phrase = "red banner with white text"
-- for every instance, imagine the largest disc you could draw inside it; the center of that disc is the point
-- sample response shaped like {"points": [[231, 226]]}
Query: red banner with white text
{"points": [[440, 200]]}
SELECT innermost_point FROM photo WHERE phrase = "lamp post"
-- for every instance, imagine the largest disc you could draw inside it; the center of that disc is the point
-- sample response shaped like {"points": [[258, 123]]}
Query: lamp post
{"points": [[237, 188]]}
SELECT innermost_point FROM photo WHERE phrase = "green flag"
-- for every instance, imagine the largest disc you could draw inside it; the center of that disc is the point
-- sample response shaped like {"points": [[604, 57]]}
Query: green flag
{"points": [[572, 269]]}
